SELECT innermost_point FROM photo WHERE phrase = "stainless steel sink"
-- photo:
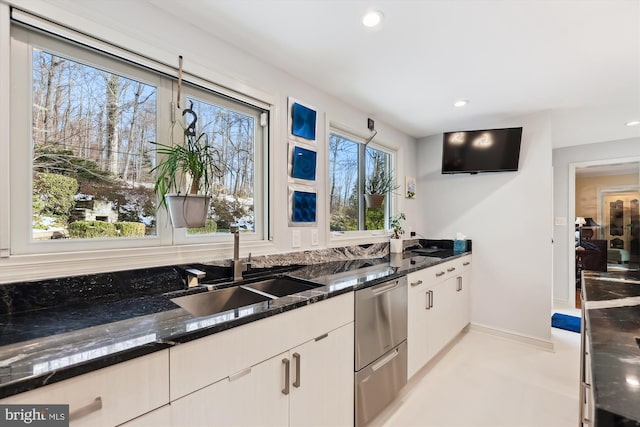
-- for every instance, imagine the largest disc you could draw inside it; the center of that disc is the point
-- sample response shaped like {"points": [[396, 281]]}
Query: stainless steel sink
{"points": [[281, 286], [212, 302]]}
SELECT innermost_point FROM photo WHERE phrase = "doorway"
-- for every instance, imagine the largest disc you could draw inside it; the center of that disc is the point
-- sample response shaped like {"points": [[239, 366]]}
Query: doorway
{"points": [[607, 220]]}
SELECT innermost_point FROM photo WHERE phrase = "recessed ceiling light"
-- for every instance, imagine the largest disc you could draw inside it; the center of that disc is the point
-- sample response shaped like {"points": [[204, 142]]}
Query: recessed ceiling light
{"points": [[461, 103], [633, 123], [371, 19]]}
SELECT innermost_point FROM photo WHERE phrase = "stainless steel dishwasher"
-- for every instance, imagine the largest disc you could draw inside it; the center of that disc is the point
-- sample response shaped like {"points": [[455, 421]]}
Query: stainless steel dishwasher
{"points": [[380, 347]]}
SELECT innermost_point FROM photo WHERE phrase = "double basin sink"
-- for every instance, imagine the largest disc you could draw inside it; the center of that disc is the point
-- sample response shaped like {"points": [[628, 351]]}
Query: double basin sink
{"points": [[218, 301]]}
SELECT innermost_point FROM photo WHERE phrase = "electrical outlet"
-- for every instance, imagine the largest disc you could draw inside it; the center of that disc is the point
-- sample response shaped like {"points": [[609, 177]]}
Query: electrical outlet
{"points": [[314, 237], [295, 238]]}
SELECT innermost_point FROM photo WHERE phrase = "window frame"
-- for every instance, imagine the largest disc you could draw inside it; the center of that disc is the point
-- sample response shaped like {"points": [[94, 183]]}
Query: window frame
{"points": [[23, 39], [341, 237], [180, 235]]}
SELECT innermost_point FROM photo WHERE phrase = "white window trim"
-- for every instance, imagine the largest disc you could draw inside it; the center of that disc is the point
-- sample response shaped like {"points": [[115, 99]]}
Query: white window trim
{"points": [[342, 238]]}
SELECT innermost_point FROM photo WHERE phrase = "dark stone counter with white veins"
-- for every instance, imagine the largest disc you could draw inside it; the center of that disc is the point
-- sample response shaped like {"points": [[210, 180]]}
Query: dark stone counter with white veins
{"points": [[612, 317], [56, 329]]}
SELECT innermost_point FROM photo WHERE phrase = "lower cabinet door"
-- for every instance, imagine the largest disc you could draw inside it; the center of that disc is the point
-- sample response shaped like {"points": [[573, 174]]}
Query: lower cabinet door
{"points": [[322, 380], [252, 397]]}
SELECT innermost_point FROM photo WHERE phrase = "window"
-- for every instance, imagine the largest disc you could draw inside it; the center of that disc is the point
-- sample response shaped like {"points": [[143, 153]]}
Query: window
{"points": [[235, 131], [91, 157], [352, 166], [85, 157]]}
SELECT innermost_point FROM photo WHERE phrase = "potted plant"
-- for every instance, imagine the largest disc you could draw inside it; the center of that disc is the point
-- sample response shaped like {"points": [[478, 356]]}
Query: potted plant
{"points": [[195, 160], [395, 222], [377, 186]]}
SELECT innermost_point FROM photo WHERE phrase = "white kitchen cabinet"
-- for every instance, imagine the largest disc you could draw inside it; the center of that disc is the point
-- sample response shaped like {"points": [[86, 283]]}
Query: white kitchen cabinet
{"points": [[438, 309], [322, 392], [251, 397], [297, 369], [108, 396], [311, 384]]}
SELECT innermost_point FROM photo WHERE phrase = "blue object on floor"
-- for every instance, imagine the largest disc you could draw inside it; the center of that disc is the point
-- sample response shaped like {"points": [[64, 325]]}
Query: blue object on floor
{"points": [[564, 321]]}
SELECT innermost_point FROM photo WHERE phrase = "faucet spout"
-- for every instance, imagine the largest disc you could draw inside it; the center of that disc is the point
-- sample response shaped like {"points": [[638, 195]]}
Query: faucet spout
{"points": [[238, 266]]}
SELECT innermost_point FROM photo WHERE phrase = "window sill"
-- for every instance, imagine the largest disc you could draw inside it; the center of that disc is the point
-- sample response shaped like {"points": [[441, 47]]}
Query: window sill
{"points": [[21, 268]]}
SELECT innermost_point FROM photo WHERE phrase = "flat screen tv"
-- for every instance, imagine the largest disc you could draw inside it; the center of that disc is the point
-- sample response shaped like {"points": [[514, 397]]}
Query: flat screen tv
{"points": [[489, 150]]}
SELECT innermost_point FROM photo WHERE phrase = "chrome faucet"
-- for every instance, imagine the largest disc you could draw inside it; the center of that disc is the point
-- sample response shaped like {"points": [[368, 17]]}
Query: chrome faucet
{"points": [[238, 266]]}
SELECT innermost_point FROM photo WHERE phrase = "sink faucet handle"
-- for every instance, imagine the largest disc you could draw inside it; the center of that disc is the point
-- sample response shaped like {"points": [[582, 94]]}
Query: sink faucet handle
{"points": [[247, 265]]}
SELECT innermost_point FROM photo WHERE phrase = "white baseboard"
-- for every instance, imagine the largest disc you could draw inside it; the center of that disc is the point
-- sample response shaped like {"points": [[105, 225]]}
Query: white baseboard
{"points": [[525, 339]]}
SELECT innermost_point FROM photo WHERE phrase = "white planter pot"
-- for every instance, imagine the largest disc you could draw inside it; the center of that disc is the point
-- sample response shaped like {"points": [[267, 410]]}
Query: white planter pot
{"points": [[187, 210], [395, 246]]}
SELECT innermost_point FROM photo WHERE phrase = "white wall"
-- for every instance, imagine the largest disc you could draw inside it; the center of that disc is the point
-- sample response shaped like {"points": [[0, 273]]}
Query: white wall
{"points": [[508, 217], [563, 203], [163, 38]]}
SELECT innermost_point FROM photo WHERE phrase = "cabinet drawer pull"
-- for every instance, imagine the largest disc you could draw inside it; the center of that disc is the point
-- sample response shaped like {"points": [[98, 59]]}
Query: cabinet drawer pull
{"points": [[466, 263], [419, 282], [429, 300], [239, 374], [296, 358], [440, 274], [285, 364], [321, 337], [451, 269], [90, 408], [459, 280], [586, 390]]}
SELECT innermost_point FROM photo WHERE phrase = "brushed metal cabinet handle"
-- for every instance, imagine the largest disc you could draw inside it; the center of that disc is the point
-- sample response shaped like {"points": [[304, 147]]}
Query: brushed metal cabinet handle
{"points": [[285, 364], [431, 299], [466, 263], [321, 337], [586, 390], [240, 374], [83, 411], [451, 269], [297, 360], [419, 282], [440, 274], [459, 279]]}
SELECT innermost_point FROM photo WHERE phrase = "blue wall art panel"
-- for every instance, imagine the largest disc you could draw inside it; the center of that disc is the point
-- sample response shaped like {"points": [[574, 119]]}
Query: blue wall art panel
{"points": [[303, 122], [304, 207], [304, 164]]}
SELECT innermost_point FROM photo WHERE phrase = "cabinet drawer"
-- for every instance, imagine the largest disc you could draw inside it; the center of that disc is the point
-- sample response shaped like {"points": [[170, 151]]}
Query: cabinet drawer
{"points": [[441, 272], [198, 363], [108, 396]]}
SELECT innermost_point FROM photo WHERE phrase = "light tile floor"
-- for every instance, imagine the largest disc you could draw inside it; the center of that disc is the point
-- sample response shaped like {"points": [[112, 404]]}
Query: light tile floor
{"points": [[484, 380]]}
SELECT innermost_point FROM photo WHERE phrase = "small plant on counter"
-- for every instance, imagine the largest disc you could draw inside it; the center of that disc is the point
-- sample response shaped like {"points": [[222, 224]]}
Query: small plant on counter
{"points": [[395, 222]]}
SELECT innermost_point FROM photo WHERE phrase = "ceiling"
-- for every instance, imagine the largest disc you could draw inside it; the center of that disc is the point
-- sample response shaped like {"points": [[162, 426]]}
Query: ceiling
{"points": [[579, 60]]}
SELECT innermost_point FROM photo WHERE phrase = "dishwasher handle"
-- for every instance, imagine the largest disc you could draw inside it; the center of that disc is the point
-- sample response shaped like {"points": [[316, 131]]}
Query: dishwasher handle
{"points": [[385, 287], [388, 358]]}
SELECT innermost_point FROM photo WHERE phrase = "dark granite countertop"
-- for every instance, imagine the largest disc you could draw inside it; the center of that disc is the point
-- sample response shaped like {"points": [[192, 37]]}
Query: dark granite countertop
{"points": [[49, 344], [612, 316]]}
